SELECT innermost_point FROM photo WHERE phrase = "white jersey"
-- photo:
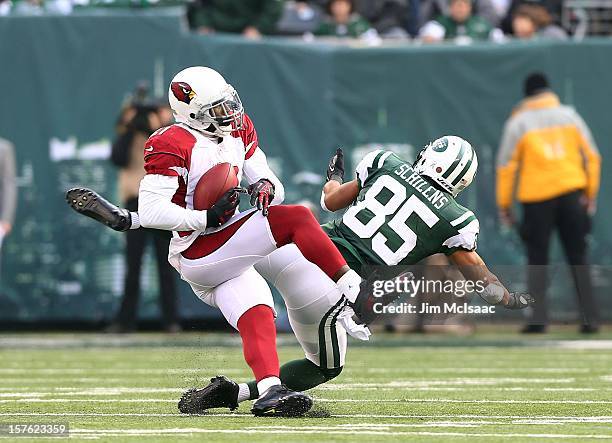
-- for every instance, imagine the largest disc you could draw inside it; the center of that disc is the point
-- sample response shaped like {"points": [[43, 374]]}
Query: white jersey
{"points": [[176, 157]]}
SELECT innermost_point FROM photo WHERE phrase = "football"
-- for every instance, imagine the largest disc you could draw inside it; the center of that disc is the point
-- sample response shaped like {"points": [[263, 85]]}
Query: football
{"points": [[213, 184]]}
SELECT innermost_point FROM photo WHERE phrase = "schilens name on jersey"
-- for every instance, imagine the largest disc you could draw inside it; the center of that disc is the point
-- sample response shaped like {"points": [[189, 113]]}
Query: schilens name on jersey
{"points": [[436, 197]]}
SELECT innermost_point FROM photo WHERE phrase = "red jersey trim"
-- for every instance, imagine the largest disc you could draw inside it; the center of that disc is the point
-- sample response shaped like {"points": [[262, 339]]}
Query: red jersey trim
{"points": [[251, 151], [248, 134], [207, 244]]}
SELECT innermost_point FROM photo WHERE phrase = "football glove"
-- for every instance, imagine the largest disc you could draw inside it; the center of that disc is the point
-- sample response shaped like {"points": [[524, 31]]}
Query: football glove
{"points": [[520, 300], [335, 169], [364, 305], [223, 209], [358, 331], [262, 194]]}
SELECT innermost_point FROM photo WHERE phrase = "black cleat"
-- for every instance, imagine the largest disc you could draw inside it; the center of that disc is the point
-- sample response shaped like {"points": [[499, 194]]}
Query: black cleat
{"points": [[89, 203], [365, 301], [220, 393], [280, 401]]}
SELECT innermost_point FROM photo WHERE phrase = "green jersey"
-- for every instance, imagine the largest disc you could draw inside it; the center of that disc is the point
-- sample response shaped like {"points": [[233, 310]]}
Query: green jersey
{"points": [[400, 217]]}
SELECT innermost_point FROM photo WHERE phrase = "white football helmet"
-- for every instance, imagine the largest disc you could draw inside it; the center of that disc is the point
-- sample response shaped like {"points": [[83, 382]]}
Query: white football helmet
{"points": [[450, 161], [202, 99]]}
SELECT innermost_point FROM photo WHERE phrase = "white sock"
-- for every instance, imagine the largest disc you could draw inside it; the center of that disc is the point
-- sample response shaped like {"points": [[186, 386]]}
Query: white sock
{"points": [[348, 284], [266, 383], [135, 220], [244, 393]]}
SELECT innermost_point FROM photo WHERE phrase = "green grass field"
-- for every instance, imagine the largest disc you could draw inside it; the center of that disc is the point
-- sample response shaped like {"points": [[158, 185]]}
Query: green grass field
{"points": [[487, 387]]}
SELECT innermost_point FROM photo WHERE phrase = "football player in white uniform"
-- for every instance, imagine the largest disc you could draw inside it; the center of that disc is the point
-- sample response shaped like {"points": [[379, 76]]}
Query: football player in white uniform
{"points": [[313, 301], [215, 250]]}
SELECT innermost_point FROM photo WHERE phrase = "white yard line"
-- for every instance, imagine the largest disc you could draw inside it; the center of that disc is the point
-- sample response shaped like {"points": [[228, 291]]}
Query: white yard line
{"points": [[460, 381], [452, 400], [89, 400], [148, 371], [595, 418], [502, 370], [51, 380], [17, 391], [519, 419], [91, 392], [575, 344], [18, 382], [125, 341], [459, 389], [322, 400], [135, 371], [316, 430]]}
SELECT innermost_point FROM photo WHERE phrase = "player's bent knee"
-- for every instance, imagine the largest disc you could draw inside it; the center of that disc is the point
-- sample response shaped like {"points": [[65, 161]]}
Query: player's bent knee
{"points": [[331, 373], [294, 214], [287, 221]]}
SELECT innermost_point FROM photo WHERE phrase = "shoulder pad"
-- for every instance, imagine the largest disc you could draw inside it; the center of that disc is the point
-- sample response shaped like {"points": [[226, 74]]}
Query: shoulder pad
{"points": [[172, 139]]}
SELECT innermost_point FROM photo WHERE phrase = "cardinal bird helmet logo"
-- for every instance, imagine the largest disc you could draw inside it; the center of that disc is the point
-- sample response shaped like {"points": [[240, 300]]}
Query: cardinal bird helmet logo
{"points": [[182, 91]]}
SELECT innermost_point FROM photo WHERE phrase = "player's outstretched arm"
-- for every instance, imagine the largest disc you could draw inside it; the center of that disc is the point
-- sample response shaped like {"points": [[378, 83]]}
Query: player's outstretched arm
{"points": [[337, 195], [473, 268]]}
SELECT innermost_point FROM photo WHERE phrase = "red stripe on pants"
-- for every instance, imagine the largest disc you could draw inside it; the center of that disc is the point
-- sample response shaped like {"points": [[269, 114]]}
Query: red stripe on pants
{"points": [[209, 243]]}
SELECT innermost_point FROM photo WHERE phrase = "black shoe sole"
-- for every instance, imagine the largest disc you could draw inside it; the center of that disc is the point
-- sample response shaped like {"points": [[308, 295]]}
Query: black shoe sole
{"points": [[82, 200], [185, 404], [294, 405], [191, 403], [87, 202]]}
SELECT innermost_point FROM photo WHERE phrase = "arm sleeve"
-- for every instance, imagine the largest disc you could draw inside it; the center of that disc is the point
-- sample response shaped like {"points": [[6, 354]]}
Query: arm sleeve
{"points": [[9, 186], [371, 161], [325, 208], [508, 160], [156, 210], [466, 238], [591, 156], [256, 167]]}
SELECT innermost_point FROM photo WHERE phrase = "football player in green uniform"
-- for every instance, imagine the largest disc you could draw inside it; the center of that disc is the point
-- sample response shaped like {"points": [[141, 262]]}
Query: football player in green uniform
{"points": [[398, 213]]}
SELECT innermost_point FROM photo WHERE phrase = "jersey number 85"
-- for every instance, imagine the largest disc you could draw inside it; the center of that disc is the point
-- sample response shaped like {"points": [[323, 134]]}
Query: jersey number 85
{"points": [[374, 228]]}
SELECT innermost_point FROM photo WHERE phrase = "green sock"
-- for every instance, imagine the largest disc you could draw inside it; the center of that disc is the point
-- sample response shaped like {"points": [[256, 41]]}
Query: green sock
{"points": [[299, 375]]}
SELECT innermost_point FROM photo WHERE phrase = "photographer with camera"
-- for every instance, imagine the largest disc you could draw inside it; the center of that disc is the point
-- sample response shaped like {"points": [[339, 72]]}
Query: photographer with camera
{"points": [[137, 121]]}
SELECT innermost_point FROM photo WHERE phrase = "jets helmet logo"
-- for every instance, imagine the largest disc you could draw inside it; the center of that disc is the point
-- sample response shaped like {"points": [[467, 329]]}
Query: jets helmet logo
{"points": [[440, 145], [182, 91]]}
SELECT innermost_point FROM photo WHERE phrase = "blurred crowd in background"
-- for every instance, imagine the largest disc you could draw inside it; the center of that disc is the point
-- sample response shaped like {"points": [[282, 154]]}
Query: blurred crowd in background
{"points": [[373, 21]]}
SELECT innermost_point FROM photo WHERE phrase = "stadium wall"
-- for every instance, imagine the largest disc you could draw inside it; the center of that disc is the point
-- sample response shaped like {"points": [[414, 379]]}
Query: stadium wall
{"points": [[65, 78]]}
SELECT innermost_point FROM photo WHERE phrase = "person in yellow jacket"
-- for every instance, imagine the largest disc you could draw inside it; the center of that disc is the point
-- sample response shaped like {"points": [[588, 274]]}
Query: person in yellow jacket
{"points": [[549, 160]]}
